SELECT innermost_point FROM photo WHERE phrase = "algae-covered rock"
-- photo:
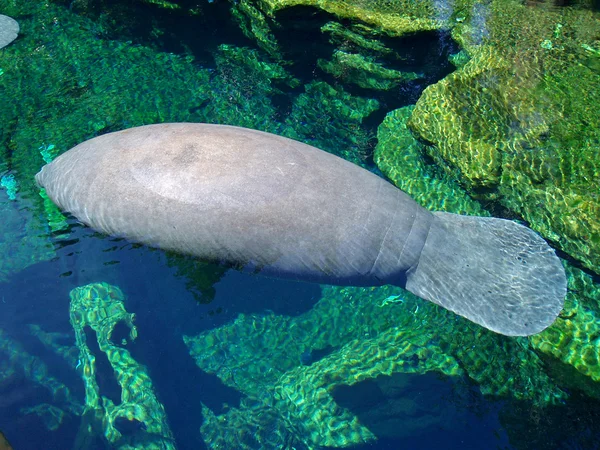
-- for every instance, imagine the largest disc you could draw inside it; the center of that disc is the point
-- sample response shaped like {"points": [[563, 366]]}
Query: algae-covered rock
{"points": [[397, 17], [404, 161], [514, 122], [291, 365], [471, 135], [255, 25], [100, 307]]}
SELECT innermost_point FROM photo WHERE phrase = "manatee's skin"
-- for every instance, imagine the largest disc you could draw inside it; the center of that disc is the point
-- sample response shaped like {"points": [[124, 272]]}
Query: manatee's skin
{"points": [[270, 204], [9, 30], [243, 197]]}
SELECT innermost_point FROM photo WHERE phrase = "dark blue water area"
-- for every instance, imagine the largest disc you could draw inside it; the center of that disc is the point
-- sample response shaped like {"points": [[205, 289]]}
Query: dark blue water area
{"points": [[165, 310]]}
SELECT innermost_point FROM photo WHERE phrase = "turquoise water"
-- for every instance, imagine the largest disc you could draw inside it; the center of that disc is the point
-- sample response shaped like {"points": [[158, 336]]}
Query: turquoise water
{"points": [[106, 343]]}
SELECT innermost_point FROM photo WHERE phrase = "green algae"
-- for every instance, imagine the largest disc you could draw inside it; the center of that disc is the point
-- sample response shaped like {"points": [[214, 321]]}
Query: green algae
{"points": [[364, 72], [331, 119], [403, 160]]}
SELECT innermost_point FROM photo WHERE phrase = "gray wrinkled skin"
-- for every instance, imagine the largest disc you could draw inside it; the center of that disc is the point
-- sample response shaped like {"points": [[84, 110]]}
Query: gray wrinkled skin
{"points": [[276, 206], [9, 30]]}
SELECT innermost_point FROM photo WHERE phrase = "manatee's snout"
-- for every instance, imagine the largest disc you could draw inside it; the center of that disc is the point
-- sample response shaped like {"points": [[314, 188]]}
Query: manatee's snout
{"points": [[39, 177]]}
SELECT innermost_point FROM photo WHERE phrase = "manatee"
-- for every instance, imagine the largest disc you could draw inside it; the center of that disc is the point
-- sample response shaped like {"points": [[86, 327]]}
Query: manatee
{"points": [[9, 30], [278, 207]]}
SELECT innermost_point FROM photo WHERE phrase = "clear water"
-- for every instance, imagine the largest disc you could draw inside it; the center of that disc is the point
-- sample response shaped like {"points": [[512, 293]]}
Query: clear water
{"points": [[81, 69]]}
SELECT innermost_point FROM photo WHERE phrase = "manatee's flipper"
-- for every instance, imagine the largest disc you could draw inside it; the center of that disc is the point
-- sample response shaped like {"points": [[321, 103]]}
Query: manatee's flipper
{"points": [[494, 272]]}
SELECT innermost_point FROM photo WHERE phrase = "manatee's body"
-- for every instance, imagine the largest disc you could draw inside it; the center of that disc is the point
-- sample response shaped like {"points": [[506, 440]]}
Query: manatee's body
{"points": [[274, 205]]}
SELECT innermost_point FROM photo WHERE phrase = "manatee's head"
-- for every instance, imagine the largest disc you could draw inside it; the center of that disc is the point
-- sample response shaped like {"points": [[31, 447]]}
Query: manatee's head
{"points": [[9, 30]]}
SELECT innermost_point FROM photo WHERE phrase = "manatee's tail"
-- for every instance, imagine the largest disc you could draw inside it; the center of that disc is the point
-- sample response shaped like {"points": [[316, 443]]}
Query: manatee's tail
{"points": [[494, 272]]}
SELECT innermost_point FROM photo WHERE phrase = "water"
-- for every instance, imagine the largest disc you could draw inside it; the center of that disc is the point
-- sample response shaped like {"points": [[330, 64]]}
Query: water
{"points": [[224, 359]]}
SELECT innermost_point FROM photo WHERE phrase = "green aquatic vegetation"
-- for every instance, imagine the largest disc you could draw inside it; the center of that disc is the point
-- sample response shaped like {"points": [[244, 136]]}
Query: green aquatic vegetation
{"points": [[364, 72], [331, 119], [241, 88]]}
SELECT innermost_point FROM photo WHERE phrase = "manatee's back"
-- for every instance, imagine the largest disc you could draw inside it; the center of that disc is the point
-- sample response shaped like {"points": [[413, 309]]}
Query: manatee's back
{"points": [[240, 196]]}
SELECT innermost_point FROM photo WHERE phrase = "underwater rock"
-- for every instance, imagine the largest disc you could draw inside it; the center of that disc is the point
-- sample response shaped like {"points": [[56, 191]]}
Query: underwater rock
{"points": [[401, 158], [366, 333], [9, 30], [573, 338], [396, 18], [273, 205], [16, 361]]}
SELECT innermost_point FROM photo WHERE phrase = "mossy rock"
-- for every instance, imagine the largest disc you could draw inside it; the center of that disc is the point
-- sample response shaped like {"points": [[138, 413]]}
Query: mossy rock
{"points": [[514, 122], [396, 18], [404, 161], [466, 109]]}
